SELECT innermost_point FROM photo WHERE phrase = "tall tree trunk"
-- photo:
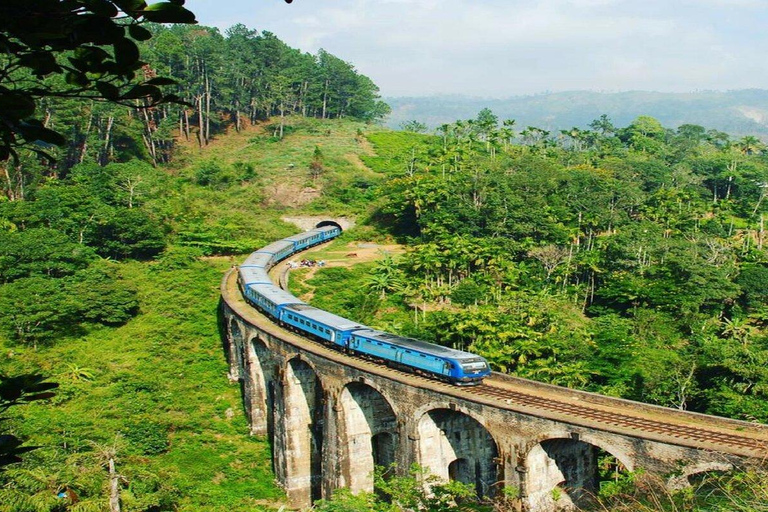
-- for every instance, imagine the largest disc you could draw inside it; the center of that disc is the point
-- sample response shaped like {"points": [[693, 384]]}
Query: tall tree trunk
{"points": [[732, 171], [84, 145], [149, 140], [107, 141], [114, 487], [207, 108], [200, 122], [10, 191], [186, 124], [325, 97]]}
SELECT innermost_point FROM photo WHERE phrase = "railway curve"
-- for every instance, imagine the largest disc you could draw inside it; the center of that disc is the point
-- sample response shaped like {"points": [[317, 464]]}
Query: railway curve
{"points": [[506, 432]]}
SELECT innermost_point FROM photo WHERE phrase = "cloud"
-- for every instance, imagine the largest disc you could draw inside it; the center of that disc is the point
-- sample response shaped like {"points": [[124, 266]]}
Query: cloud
{"points": [[507, 47]]}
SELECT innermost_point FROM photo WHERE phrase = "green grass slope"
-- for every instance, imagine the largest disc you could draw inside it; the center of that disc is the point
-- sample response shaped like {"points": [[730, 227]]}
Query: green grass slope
{"points": [[153, 393]]}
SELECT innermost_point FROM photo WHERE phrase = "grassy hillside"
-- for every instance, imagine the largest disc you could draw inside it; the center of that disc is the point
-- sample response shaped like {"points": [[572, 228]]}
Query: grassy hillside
{"points": [[154, 390]]}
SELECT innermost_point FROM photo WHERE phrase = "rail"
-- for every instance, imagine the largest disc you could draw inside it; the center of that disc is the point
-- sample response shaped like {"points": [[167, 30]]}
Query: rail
{"points": [[532, 398]]}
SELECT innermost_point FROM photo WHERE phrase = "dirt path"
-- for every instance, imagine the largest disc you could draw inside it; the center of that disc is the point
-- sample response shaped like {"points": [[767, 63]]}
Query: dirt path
{"points": [[354, 253]]}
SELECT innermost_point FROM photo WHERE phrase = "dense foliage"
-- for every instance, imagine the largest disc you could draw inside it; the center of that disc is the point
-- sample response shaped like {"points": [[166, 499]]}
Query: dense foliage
{"points": [[104, 289], [225, 81], [83, 49], [630, 261]]}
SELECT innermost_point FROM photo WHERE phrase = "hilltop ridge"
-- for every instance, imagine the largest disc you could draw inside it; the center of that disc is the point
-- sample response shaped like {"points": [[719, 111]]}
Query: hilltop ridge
{"points": [[742, 112]]}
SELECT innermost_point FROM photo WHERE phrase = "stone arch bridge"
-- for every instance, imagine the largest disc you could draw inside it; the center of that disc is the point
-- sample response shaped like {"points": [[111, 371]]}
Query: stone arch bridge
{"points": [[331, 417]]}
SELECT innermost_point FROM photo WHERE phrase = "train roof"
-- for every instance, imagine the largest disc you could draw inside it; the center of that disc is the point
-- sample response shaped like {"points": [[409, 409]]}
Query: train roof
{"points": [[274, 294], [414, 344], [275, 247], [258, 258], [329, 319], [254, 275], [303, 236]]}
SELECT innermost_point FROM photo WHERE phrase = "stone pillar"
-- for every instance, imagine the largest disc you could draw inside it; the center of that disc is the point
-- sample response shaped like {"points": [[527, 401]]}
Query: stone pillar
{"points": [[279, 455], [301, 433], [259, 376], [333, 456], [233, 340]]}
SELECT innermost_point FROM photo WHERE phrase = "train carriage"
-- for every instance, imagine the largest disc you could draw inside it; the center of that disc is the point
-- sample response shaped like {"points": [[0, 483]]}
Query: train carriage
{"points": [[269, 298], [279, 251], [253, 275], [329, 232], [322, 324], [259, 259], [456, 366], [307, 239]]}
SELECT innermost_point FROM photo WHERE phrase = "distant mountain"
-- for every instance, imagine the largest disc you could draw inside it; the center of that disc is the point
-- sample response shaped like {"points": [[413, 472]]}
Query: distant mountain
{"points": [[738, 113]]}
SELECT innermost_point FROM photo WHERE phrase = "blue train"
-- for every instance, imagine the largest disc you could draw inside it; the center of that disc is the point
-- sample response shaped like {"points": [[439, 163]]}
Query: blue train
{"points": [[455, 366]]}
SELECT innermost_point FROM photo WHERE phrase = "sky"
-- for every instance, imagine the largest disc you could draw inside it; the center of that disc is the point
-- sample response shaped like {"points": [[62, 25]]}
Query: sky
{"points": [[503, 48]]}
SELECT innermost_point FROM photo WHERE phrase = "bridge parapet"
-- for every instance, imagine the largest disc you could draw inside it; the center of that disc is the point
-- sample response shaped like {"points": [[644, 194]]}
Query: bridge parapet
{"points": [[332, 417]]}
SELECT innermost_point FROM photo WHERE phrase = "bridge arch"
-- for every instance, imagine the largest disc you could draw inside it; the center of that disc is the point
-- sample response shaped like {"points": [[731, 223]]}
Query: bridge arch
{"points": [[370, 434], [690, 474], [562, 470], [453, 445], [301, 431]]}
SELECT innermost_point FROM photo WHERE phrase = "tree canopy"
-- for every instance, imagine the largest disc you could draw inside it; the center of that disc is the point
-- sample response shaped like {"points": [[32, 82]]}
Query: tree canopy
{"points": [[73, 49]]}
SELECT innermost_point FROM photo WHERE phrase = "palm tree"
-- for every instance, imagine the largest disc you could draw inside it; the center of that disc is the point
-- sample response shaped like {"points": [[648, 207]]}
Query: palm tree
{"points": [[750, 145], [738, 329]]}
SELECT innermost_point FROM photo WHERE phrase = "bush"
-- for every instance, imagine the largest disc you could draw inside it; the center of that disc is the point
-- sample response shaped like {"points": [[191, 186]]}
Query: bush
{"points": [[178, 258], [468, 293], [36, 309], [130, 233], [211, 174], [147, 437], [40, 251], [101, 296]]}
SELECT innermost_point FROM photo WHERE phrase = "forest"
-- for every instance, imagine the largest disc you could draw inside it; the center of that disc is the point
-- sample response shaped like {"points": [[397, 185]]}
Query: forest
{"points": [[626, 260], [220, 81]]}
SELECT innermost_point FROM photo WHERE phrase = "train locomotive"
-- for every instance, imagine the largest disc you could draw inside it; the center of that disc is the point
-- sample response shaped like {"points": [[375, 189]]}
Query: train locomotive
{"points": [[416, 356]]}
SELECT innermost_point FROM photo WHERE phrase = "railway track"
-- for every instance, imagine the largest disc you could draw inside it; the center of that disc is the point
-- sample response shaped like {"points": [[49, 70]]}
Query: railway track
{"points": [[617, 418], [616, 415]]}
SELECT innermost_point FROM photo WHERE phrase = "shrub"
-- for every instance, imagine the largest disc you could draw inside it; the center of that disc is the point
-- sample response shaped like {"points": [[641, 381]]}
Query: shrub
{"points": [[147, 437]]}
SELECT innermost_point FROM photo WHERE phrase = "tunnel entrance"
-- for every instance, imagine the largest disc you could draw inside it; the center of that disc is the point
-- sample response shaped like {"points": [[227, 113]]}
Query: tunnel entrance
{"points": [[329, 223], [369, 434], [455, 446]]}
